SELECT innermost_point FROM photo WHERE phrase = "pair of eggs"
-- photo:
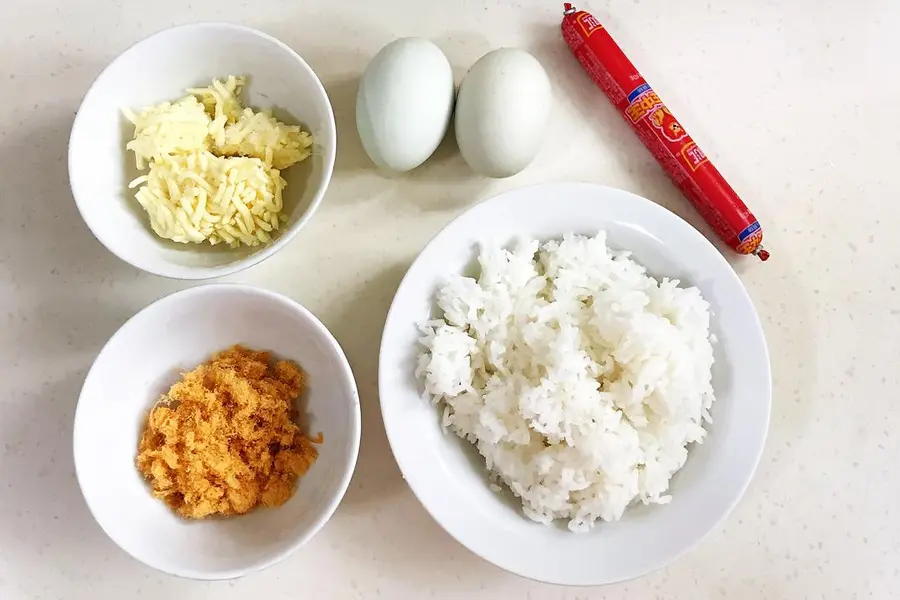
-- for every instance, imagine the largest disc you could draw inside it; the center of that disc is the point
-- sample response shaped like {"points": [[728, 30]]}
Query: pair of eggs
{"points": [[406, 102]]}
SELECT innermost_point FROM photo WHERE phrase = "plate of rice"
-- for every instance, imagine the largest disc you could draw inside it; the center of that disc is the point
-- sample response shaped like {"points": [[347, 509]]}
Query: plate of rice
{"points": [[574, 383]]}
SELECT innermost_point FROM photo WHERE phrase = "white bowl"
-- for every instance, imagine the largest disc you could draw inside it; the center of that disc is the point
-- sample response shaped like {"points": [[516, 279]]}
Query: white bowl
{"points": [[162, 67], [448, 475], [142, 360]]}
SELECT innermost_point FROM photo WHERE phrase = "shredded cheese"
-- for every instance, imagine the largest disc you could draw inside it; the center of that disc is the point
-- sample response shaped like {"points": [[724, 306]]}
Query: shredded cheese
{"points": [[258, 134], [215, 166], [222, 99], [192, 198], [169, 128]]}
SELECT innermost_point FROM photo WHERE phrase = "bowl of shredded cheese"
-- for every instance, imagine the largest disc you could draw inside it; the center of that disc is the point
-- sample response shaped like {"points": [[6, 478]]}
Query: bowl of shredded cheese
{"points": [[202, 150]]}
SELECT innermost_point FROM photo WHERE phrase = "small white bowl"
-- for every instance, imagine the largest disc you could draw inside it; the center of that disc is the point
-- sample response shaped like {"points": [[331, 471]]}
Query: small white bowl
{"points": [[142, 360], [162, 67]]}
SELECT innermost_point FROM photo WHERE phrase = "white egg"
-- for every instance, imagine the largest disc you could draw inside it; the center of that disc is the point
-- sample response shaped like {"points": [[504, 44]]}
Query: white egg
{"points": [[404, 103], [502, 111]]}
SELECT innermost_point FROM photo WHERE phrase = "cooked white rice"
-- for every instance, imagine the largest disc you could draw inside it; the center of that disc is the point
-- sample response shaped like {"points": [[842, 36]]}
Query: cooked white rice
{"points": [[580, 379]]}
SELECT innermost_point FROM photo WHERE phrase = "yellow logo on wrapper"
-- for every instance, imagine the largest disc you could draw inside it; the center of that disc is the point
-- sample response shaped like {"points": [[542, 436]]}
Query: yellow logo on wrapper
{"points": [[662, 119], [750, 238], [643, 105], [693, 156], [588, 23]]}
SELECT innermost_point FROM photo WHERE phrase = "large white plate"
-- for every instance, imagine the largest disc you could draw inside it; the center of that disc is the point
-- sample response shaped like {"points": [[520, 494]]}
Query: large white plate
{"points": [[447, 474]]}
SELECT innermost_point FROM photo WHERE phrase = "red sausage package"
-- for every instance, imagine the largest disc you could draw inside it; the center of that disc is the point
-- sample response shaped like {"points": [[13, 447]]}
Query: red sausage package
{"points": [[661, 132]]}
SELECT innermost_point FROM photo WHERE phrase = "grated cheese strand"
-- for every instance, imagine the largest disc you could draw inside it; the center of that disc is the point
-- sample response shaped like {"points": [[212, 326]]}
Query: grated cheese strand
{"points": [[168, 128], [215, 166], [186, 204]]}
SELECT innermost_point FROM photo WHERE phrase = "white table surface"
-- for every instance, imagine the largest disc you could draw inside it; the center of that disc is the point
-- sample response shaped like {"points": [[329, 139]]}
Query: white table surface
{"points": [[797, 101]]}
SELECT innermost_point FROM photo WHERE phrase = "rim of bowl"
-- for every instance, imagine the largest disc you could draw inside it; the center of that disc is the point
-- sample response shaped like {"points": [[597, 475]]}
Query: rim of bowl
{"points": [[258, 256], [730, 272], [349, 467]]}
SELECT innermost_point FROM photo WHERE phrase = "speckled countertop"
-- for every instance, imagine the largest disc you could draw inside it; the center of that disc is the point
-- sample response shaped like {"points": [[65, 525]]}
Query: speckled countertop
{"points": [[796, 101]]}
